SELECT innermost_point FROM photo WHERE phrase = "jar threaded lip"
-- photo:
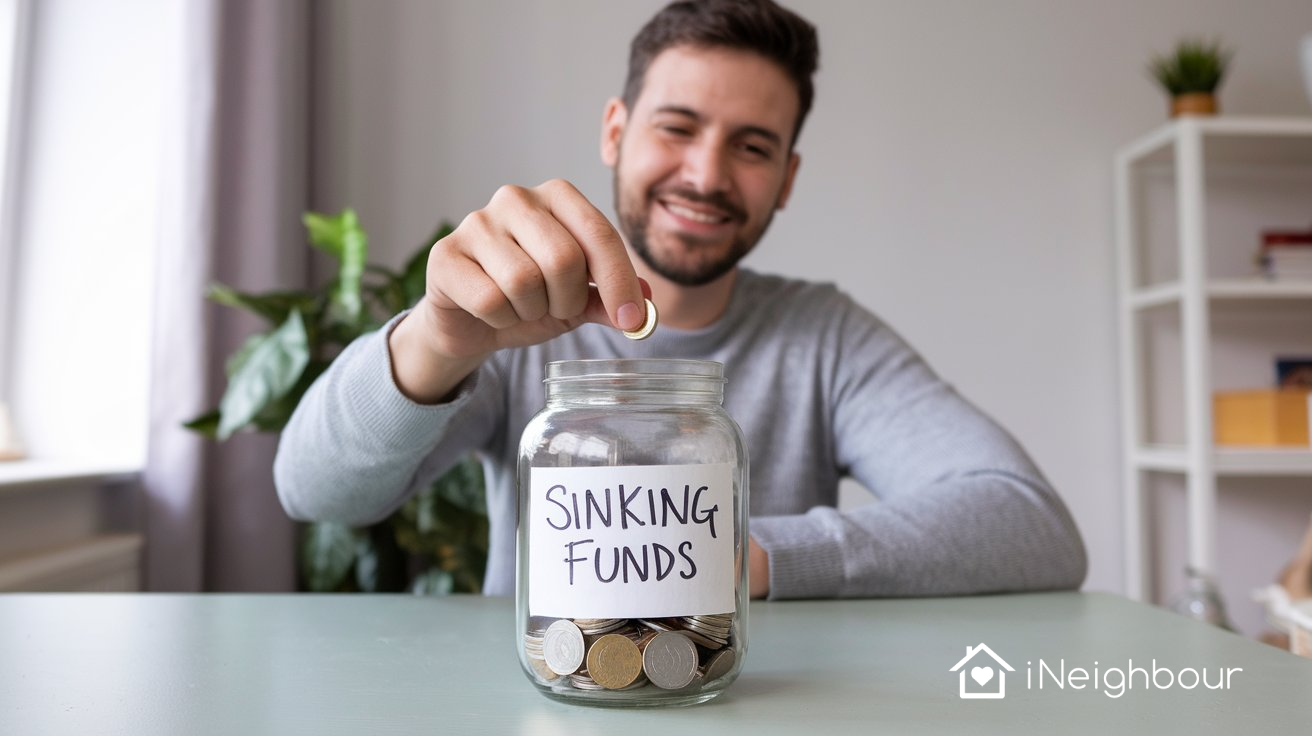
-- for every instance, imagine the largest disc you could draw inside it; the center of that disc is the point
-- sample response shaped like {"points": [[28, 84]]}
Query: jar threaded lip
{"points": [[610, 369], [635, 380]]}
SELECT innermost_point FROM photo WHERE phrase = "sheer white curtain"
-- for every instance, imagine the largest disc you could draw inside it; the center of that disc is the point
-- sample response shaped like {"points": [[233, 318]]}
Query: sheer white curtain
{"points": [[234, 185]]}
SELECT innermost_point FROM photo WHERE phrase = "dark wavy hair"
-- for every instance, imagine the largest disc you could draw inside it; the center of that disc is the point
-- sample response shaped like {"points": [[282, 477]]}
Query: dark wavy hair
{"points": [[758, 26]]}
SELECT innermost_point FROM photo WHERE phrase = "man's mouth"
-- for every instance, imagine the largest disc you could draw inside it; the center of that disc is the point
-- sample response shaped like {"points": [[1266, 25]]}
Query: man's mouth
{"points": [[701, 216]]}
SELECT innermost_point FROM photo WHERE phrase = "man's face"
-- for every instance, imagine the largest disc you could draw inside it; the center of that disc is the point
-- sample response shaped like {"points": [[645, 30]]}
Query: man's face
{"points": [[702, 160]]}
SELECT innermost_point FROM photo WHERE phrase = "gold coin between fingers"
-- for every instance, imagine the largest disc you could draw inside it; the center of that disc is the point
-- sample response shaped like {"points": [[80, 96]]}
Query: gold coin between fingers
{"points": [[648, 326]]}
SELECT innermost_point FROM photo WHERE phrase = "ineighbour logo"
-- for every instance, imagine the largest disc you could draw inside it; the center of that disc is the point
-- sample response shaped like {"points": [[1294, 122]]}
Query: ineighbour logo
{"points": [[984, 681], [1115, 681], [983, 675]]}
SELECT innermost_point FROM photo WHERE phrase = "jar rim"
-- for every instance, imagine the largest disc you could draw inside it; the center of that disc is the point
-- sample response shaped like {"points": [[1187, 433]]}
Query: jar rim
{"points": [[639, 368]]}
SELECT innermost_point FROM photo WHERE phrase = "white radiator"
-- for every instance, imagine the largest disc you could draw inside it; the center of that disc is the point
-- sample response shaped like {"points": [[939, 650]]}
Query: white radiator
{"points": [[110, 563]]}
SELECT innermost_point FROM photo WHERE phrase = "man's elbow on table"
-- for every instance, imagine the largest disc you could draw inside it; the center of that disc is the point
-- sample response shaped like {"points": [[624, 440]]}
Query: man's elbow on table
{"points": [[1075, 566]]}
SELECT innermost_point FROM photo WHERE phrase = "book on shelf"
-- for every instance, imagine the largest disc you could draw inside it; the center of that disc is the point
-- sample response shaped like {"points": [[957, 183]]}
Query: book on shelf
{"points": [[1286, 255]]}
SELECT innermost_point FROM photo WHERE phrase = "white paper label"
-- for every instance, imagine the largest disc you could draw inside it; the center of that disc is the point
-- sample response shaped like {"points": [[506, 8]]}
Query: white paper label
{"points": [[637, 541]]}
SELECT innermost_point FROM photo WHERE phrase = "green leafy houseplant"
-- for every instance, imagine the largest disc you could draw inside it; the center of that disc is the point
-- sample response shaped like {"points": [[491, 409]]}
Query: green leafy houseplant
{"points": [[437, 541], [1191, 74]]}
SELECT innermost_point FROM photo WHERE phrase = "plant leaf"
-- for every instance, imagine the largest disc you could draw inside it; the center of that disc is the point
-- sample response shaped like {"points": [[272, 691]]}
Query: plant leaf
{"points": [[327, 553], [380, 566], [326, 231], [462, 487], [270, 370], [206, 424], [243, 353], [343, 238], [275, 415], [273, 306], [433, 581], [1196, 65]]}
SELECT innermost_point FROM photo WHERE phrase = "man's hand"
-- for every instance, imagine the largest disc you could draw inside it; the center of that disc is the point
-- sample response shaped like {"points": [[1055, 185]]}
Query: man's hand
{"points": [[514, 273], [758, 570]]}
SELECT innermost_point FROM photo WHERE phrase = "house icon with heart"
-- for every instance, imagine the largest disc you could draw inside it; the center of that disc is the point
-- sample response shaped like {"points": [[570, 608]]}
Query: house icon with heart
{"points": [[980, 676]]}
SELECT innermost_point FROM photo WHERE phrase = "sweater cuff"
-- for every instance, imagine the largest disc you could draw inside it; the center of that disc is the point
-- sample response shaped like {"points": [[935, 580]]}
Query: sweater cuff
{"points": [[391, 417], [806, 560]]}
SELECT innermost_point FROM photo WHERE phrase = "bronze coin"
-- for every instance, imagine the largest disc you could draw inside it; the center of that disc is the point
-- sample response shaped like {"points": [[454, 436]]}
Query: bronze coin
{"points": [[614, 661]]}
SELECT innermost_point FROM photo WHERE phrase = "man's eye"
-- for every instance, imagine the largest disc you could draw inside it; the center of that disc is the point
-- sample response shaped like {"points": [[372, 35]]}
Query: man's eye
{"points": [[756, 151], [676, 130]]}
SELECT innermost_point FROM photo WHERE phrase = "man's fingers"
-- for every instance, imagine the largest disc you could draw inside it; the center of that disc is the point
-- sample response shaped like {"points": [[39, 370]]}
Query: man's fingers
{"points": [[465, 285], [607, 260], [596, 309], [560, 260], [519, 278]]}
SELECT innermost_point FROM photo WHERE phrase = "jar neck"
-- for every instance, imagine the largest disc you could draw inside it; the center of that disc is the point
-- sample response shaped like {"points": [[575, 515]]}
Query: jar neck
{"points": [[635, 381]]}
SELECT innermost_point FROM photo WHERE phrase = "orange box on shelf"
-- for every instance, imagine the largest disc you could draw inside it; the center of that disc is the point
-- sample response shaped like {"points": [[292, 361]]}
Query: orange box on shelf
{"points": [[1267, 418]]}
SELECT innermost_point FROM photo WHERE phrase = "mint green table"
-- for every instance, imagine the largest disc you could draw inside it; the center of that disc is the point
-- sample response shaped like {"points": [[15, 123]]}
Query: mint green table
{"points": [[249, 664]]}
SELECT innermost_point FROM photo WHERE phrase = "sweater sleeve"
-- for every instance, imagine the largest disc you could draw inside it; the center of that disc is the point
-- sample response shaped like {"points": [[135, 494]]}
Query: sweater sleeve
{"points": [[962, 509], [356, 447]]}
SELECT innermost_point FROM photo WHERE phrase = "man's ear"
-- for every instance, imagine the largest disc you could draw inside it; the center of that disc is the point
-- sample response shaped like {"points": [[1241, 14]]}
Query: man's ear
{"points": [[613, 121], [794, 161]]}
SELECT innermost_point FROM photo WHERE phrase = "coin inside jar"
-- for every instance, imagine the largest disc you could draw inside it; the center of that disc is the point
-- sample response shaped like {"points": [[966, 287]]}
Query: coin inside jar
{"points": [[562, 647], [719, 664], [648, 325], [670, 660], [614, 661]]}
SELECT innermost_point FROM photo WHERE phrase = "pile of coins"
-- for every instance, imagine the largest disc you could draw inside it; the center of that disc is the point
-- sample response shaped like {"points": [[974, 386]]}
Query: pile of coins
{"points": [[625, 654]]}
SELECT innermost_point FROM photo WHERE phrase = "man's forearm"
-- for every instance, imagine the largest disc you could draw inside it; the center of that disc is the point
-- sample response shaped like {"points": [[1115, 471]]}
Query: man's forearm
{"points": [[986, 532]]}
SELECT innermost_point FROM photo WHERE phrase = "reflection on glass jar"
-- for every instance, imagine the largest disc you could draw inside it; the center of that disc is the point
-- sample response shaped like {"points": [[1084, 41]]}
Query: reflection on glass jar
{"points": [[631, 579]]}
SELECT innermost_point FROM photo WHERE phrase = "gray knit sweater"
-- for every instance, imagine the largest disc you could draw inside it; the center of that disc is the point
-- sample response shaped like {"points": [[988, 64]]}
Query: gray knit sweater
{"points": [[821, 388]]}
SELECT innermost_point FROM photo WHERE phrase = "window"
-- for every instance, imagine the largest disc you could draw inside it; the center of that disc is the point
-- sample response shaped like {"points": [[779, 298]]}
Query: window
{"points": [[14, 17], [78, 276]]}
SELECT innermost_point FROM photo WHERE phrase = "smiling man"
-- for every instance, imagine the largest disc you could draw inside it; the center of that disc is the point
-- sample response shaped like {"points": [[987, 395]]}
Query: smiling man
{"points": [[702, 145]]}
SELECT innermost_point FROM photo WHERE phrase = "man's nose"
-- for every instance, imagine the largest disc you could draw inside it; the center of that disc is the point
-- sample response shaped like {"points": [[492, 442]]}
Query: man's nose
{"points": [[706, 167]]}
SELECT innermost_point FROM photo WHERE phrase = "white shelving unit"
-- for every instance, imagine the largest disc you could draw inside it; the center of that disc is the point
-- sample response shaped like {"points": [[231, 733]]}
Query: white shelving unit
{"points": [[1188, 146]]}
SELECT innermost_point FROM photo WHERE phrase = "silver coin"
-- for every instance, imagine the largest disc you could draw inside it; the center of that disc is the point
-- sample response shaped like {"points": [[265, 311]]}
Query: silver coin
{"points": [[708, 624], [700, 639], [593, 626], [583, 681], [537, 625], [655, 624], [562, 647], [721, 635], [719, 664], [599, 630], [670, 660]]}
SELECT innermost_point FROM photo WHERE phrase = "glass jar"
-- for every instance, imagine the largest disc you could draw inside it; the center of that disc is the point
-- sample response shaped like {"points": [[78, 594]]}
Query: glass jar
{"points": [[631, 585]]}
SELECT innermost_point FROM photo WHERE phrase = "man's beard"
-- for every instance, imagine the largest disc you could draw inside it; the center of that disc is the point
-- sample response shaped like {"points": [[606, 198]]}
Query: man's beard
{"points": [[635, 221]]}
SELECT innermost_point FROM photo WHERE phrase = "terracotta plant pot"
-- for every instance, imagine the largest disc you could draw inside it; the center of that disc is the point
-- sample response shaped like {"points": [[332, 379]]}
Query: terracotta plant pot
{"points": [[1194, 103]]}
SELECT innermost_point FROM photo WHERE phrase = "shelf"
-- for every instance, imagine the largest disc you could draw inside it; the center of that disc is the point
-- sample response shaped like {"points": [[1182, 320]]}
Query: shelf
{"points": [[1292, 462], [1261, 141], [1276, 151], [22, 473], [1169, 293]]}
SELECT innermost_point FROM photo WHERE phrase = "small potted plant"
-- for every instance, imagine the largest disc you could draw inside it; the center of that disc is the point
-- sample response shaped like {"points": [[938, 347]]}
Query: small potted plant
{"points": [[1191, 75], [437, 541]]}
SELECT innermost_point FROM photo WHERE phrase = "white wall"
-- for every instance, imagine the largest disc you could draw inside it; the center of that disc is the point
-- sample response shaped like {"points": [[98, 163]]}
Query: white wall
{"points": [[956, 178]]}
